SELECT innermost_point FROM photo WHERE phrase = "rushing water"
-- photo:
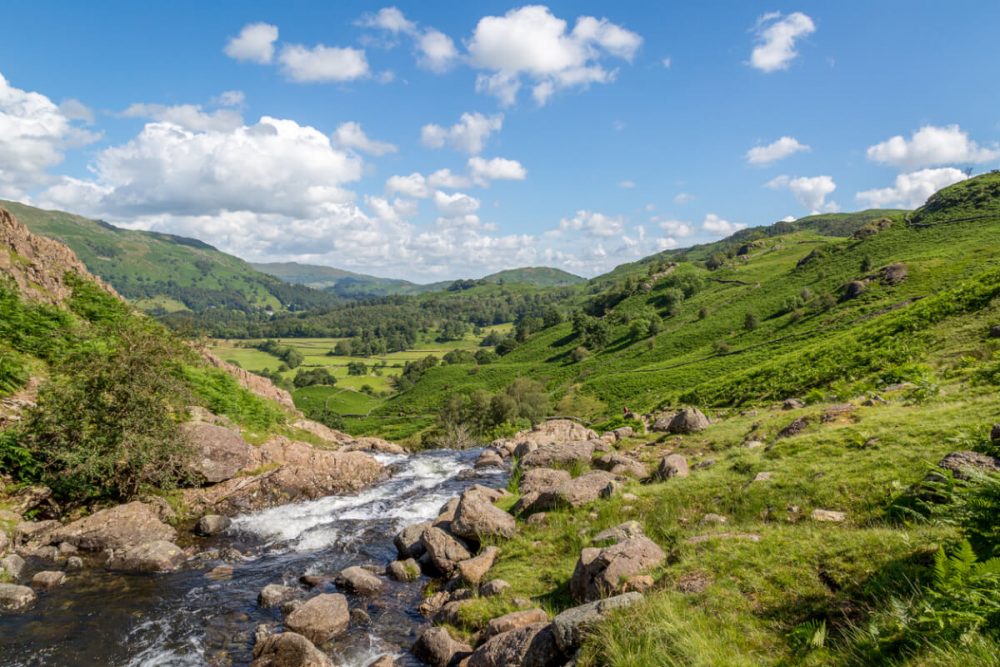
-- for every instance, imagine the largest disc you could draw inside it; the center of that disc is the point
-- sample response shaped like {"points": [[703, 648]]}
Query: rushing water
{"points": [[185, 618]]}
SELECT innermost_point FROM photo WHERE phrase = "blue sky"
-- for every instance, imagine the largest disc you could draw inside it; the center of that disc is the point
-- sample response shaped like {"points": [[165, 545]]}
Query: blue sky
{"points": [[574, 134]]}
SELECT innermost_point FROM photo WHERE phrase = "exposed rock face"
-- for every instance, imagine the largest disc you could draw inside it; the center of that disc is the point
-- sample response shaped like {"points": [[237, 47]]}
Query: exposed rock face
{"points": [[559, 453], [323, 432], [689, 420], [672, 465], [964, 463], [320, 618], [408, 542], [219, 453], [477, 518], [537, 480], [474, 569], [570, 626], [575, 492], [116, 528], [436, 647], [303, 472], [514, 620], [372, 444], [444, 550], [156, 556], [13, 597], [29, 498], [528, 646], [253, 382], [288, 649], [275, 595], [212, 524], [600, 572], [359, 580], [38, 265]]}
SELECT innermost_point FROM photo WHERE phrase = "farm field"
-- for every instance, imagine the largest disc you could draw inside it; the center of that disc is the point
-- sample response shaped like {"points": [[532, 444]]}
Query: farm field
{"points": [[346, 397]]}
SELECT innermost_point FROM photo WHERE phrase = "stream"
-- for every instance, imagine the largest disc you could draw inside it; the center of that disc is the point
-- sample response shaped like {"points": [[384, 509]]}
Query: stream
{"points": [[184, 618]]}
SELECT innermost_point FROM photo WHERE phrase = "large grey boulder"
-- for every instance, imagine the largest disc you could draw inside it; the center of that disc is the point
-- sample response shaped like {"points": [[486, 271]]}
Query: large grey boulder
{"points": [[408, 542], [622, 465], [575, 492], [559, 454], [570, 627], [445, 551], [515, 620], [13, 565], [474, 569], [601, 572], [528, 646], [359, 580], [116, 528], [321, 618], [672, 465], [219, 453], [155, 556], [212, 524], [689, 420], [477, 518], [275, 595], [16, 598], [537, 480], [288, 649], [437, 648]]}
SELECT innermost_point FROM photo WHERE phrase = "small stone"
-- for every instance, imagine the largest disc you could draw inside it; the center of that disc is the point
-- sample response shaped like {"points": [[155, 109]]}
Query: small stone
{"points": [[493, 588], [753, 444], [67, 549], [514, 620], [220, 572], [713, 518], [792, 404], [212, 524], [404, 570], [828, 516], [274, 595], [639, 583], [629, 497], [763, 477], [48, 579], [360, 617], [14, 565], [537, 519], [314, 580], [619, 533], [74, 564], [359, 580]]}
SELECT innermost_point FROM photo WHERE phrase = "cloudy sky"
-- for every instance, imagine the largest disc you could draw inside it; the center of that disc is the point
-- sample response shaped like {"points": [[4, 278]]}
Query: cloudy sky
{"points": [[438, 140]]}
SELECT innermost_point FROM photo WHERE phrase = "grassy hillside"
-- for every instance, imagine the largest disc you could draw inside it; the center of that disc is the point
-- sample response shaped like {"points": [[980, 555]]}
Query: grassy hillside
{"points": [[768, 314], [539, 276], [165, 273]]}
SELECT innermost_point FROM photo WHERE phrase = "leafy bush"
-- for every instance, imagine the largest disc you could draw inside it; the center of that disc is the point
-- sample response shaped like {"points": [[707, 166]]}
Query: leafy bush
{"points": [[313, 377], [222, 394]]}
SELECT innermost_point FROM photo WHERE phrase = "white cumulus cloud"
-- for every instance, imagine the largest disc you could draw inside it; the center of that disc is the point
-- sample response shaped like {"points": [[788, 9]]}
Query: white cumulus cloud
{"points": [[414, 185], [593, 223], [189, 116], [455, 204], [351, 135], [530, 42], [255, 43], [810, 191], [776, 36], [437, 51], [675, 227], [911, 190], [444, 178], [496, 169], [774, 151], [717, 226], [930, 146], [468, 135], [323, 63]]}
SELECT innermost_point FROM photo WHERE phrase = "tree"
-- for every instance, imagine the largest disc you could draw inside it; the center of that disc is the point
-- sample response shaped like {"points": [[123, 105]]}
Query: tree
{"points": [[314, 376], [357, 368], [750, 322]]}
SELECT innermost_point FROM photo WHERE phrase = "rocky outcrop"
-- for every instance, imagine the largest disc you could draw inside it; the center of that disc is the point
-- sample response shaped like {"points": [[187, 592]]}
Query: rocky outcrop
{"points": [[601, 572], [581, 490], [437, 648], [477, 518], [219, 453], [551, 431], [288, 649], [302, 472], [252, 382], [688, 420], [120, 527], [528, 646], [570, 627], [320, 618], [965, 464]]}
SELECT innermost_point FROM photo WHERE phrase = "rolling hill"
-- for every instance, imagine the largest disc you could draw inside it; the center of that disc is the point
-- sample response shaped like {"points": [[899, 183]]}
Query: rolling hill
{"points": [[166, 273], [538, 276]]}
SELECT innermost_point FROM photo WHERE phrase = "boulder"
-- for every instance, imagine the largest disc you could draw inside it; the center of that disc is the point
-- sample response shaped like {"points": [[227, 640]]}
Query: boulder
{"points": [[515, 620], [445, 551], [408, 542], [376, 445], [446, 515], [792, 404], [829, 516], [995, 433], [403, 570], [493, 588], [619, 533], [600, 572], [359, 580], [623, 432], [477, 518], [569, 627], [553, 430], [288, 649], [275, 595], [964, 463], [321, 618], [155, 556], [490, 458], [120, 527], [36, 533], [622, 465], [74, 564], [525, 502], [29, 498], [894, 274], [437, 648], [16, 598], [995, 331], [473, 570], [212, 524], [528, 646], [48, 579], [538, 480], [575, 492], [672, 465], [13, 565], [559, 454], [688, 420], [854, 289], [219, 453]]}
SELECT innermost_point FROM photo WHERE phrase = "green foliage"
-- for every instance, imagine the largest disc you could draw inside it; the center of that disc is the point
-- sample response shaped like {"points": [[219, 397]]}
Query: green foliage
{"points": [[460, 357], [357, 368], [17, 460], [13, 371], [222, 394], [288, 355], [314, 376]]}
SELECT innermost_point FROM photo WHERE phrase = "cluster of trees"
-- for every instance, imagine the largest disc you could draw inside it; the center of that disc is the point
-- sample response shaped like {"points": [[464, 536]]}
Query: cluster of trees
{"points": [[413, 371], [289, 356], [311, 377], [480, 415]]}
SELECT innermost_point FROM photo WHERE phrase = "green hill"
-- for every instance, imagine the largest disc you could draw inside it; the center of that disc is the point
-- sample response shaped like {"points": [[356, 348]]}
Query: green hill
{"points": [[166, 273], [539, 276]]}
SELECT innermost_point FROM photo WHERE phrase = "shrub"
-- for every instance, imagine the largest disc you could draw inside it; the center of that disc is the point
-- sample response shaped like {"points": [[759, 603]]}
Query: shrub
{"points": [[314, 377]]}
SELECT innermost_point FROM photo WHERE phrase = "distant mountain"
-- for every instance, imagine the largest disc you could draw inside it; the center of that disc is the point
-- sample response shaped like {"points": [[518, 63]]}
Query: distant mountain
{"points": [[348, 284], [539, 276], [161, 272]]}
